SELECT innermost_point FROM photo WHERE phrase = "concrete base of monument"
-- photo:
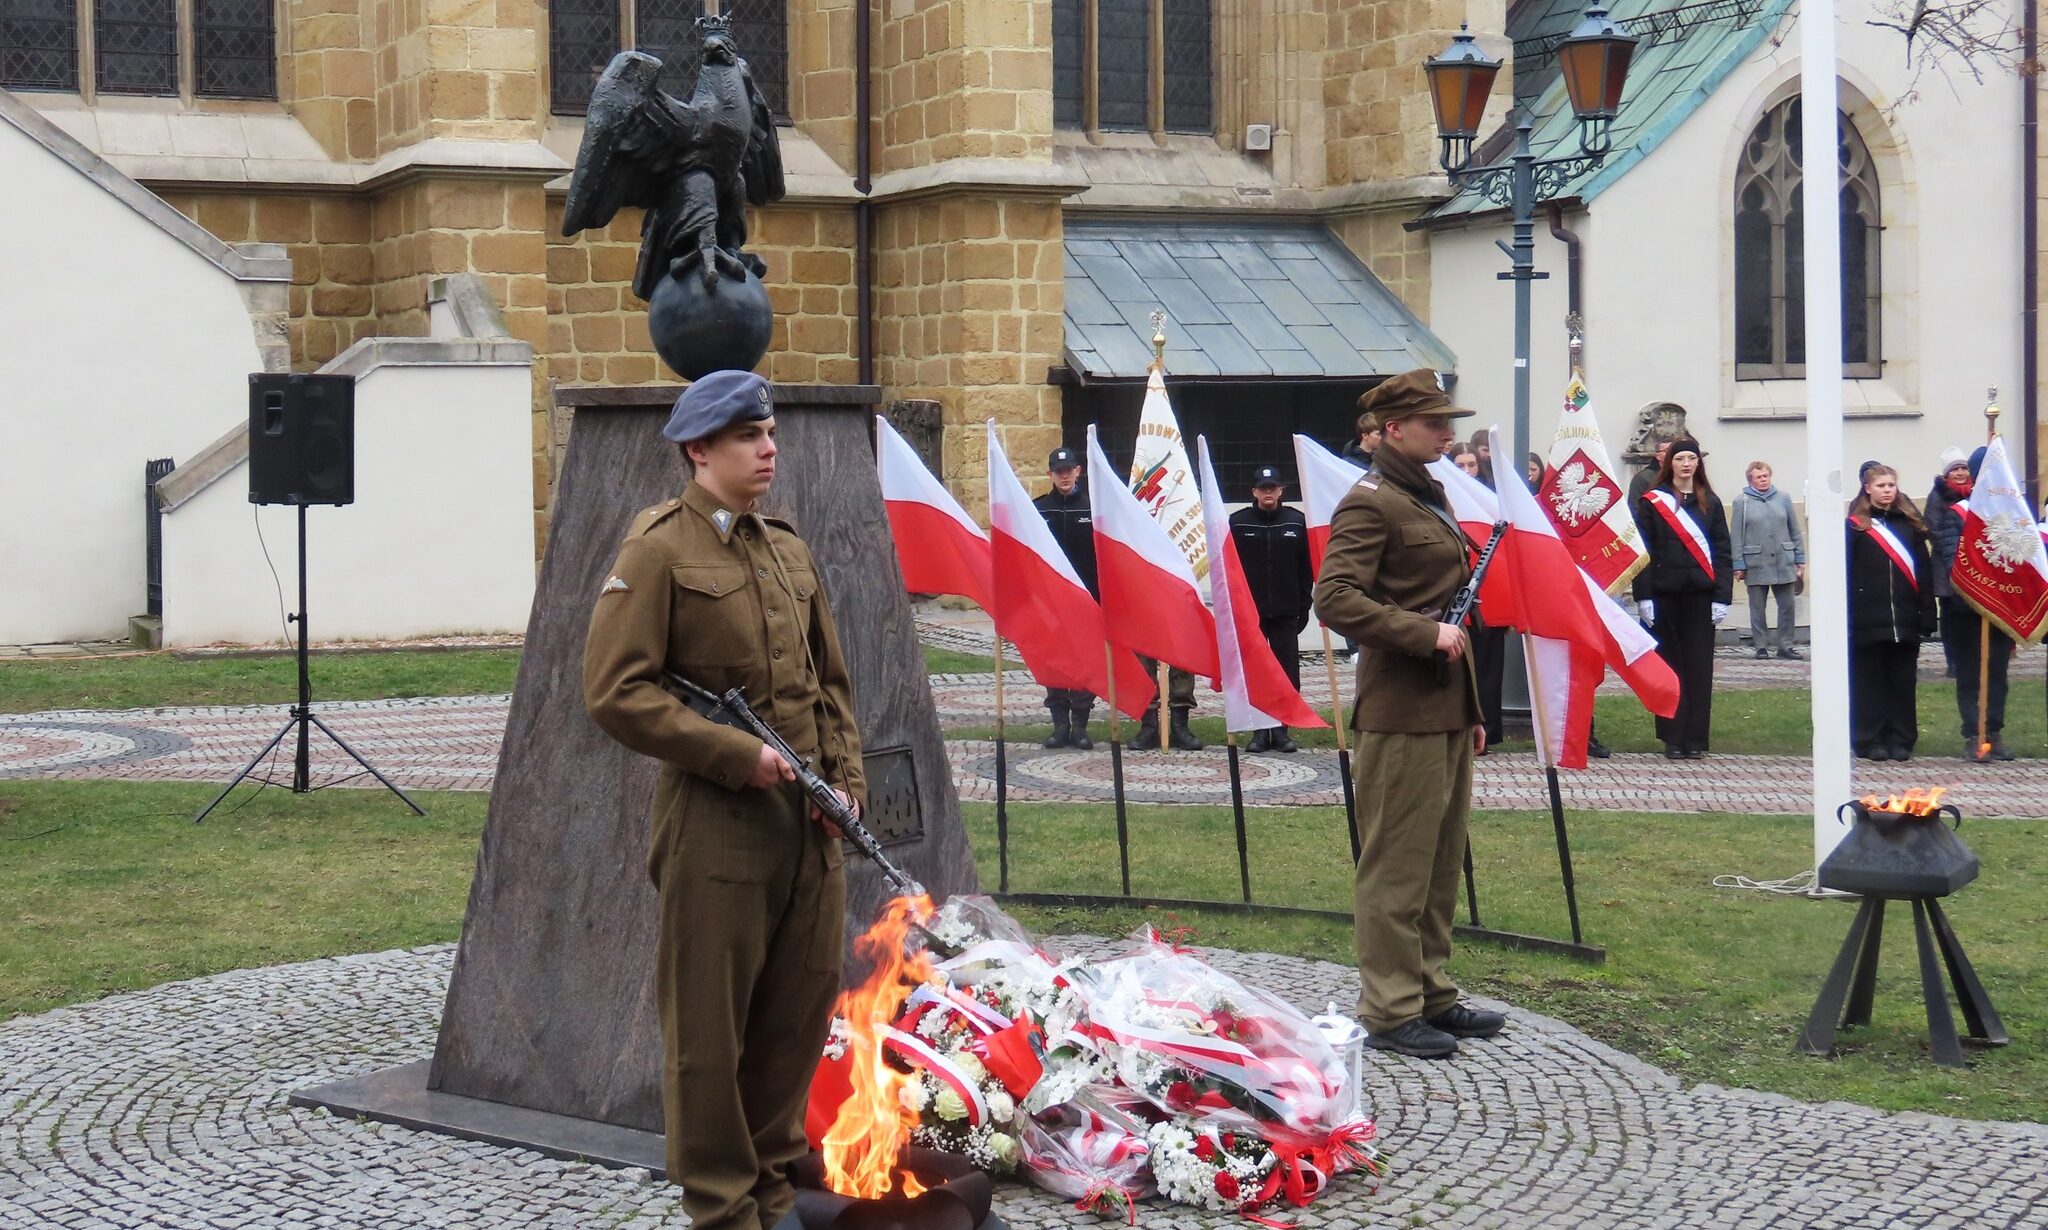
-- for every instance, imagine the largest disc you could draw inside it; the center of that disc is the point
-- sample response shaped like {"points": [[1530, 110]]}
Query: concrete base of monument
{"points": [[400, 1096]]}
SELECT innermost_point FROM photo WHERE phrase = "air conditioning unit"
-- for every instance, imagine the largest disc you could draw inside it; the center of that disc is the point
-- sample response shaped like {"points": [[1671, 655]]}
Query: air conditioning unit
{"points": [[1258, 137]]}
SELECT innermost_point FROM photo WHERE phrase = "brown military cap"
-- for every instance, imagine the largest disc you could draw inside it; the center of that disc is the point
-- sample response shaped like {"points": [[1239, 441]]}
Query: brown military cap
{"points": [[1418, 392]]}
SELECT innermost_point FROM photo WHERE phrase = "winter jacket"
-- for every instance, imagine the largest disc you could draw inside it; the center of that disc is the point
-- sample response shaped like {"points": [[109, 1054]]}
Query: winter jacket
{"points": [[1672, 568], [1945, 530], [1073, 527], [1886, 607], [1273, 549], [1356, 455], [1763, 531]]}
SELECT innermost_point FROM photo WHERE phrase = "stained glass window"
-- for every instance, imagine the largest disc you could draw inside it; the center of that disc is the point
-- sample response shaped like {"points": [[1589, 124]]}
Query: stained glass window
{"points": [[137, 46], [234, 53], [1124, 41], [583, 36], [38, 44], [1190, 75]]}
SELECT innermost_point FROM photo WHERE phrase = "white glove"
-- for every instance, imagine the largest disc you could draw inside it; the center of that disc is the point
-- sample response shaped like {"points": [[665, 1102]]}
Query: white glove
{"points": [[1720, 611], [1649, 610]]}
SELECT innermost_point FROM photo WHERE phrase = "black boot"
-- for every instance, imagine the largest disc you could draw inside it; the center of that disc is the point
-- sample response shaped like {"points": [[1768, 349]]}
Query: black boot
{"points": [[1262, 741], [1058, 737], [1183, 738], [1282, 742], [1078, 736], [1147, 737]]}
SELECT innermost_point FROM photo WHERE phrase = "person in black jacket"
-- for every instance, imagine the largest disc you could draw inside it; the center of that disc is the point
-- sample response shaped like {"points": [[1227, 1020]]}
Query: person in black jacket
{"points": [[1891, 608], [1065, 509], [1945, 525], [1685, 589], [1365, 441], [1272, 547]]}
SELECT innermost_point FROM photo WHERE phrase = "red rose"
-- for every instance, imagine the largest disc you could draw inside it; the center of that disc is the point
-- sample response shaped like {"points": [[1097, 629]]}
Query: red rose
{"points": [[1230, 1140], [1180, 1096], [1226, 1185], [1205, 1149]]}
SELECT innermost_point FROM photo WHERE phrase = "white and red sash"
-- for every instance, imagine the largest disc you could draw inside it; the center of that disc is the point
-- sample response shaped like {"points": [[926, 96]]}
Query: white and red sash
{"points": [[1687, 529], [1883, 536]]}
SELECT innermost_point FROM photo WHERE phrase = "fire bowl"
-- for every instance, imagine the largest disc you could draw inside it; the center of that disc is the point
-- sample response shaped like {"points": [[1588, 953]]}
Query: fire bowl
{"points": [[957, 1197]]}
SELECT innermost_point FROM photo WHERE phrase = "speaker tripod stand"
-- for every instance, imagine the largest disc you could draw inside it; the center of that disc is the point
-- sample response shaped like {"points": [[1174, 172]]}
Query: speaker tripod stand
{"points": [[300, 723]]}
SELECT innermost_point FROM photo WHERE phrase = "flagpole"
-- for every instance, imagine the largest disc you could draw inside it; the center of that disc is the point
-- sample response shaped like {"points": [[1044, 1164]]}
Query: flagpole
{"points": [[1343, 755], [1163, 743], [1002, 778], [1548, 752], [1116, 772], [1983, 622], [1244, 866]]}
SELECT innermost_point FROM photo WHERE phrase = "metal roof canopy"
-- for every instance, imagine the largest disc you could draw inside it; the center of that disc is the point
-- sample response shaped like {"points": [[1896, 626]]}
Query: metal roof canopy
{"points": [[1251, 299]]}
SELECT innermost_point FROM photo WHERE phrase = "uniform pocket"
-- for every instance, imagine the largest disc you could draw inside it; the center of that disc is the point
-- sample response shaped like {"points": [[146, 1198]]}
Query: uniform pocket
{"points": [[804, 583], [1421, 534], [711, 614], [828, 924]]}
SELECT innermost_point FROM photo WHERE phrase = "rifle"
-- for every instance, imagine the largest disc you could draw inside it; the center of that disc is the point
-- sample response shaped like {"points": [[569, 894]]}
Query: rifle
{"points": [[732, 709], [1467, 597]]}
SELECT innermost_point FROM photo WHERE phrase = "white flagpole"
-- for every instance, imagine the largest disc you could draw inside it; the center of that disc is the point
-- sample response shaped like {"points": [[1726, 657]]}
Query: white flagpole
{"points": [[1826, 565]]}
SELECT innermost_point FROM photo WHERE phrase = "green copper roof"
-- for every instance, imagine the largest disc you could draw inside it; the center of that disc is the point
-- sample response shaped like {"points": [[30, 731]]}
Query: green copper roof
{"points": [[1243, 298], [1686, 51]]}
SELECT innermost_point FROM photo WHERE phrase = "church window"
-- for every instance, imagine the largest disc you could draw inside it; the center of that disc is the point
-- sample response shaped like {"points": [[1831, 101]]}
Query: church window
{"points": [[584, 35], [1149, 67], [1770, 284], [186, 49]]}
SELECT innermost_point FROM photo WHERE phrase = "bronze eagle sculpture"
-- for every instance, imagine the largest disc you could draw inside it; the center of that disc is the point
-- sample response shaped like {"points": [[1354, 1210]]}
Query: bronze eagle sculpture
{"points": [[693, 166]]}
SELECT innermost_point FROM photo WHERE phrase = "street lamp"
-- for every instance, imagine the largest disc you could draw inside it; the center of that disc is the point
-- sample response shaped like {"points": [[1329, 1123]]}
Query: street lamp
{"points": [[1594, 59]]}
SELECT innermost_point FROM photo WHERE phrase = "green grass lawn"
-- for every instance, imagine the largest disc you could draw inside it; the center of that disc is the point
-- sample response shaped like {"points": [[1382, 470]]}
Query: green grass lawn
{"points": [[142, 681], [1757, 722], [1710, 984]]}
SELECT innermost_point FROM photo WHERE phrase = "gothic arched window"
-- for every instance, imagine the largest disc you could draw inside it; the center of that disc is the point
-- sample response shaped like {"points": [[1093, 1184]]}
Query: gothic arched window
{"points": [[1770, 282]]}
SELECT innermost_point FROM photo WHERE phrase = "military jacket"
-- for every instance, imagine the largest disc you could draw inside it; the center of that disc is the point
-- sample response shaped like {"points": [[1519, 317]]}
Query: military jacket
{"points": [[726, 600], [1395, 561]]}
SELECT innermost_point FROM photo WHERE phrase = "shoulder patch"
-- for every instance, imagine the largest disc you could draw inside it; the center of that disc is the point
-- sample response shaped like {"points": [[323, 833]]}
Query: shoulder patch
{"points": [[615, 585], [1370, 482], [651, 517]]}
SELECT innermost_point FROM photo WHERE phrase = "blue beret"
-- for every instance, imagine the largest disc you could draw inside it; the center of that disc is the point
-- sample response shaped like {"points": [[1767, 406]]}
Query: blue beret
{"points": [[717, 401]]}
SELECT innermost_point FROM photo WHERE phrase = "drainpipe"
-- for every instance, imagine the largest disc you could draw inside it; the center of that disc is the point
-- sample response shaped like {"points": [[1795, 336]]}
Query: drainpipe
{"points": [[863, 215], [1570, 240], [2030, 261]]}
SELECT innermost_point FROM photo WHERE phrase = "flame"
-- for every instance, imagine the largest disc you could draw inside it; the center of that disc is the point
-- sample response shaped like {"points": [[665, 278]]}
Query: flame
{"points": [[873, 1124], [1919, 801], [1983, 750]]}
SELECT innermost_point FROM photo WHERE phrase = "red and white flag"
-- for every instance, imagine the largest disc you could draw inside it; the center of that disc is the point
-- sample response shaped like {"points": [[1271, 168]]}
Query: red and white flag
{"points": [[941, 549], [1325, 480], [1150, 600], [1040, 604], [1256, 692], [1576, 631], [2001, 565], [1583, 498]]}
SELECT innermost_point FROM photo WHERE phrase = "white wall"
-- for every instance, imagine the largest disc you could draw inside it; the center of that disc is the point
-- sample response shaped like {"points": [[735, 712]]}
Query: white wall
{"points": [[439, 540], [118, 343], [1659, 252]]}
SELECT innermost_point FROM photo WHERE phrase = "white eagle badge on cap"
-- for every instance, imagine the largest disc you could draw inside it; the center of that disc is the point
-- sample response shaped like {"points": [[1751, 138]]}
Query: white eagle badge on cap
{"points": [[1439, 378], [762, 394]]}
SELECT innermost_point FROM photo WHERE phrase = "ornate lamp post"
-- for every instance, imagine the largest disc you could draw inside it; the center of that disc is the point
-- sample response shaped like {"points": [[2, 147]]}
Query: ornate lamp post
{"points": [[1595, 59]]}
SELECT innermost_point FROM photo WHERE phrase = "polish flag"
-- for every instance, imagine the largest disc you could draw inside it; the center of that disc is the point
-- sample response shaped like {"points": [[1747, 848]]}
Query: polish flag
{"points": [[1149, 596], [1326, 479], [1040, 604], [1256, 691], [941, 549], [1576, 632], [2001, 565]]}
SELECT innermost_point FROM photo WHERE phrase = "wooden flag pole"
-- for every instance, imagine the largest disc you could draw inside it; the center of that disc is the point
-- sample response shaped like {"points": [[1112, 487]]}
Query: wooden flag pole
{"points": [[1164, 710], [1983, 623], [1343, 754], [1002, 779]]}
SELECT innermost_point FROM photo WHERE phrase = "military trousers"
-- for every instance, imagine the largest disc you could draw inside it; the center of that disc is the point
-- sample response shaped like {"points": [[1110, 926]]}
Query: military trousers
{"points": [[1414, 798], [753, 903]]}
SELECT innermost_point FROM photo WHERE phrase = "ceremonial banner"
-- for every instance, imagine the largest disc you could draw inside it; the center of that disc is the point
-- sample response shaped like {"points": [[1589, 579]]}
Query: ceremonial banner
{"points": [[1040, 604], [1162, 480], [2001, 565], [1584, 499], [941, 549], [1256, 691], [1150, 600], [1326, 479]]}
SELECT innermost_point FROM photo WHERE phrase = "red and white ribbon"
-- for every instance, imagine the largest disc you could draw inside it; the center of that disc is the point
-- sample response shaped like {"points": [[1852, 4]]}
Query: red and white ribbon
{"points": [[1883, 535], [1687, 529], [924, 1055]]}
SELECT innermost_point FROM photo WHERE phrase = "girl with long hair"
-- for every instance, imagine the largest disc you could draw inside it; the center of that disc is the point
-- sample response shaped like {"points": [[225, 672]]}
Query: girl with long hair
{"points": [[1891, 610], [1685, 588]]}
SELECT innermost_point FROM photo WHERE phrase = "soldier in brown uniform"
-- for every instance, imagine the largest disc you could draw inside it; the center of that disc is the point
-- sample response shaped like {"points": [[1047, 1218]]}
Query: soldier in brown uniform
{"points": [[752, 894], [1395, 561]]}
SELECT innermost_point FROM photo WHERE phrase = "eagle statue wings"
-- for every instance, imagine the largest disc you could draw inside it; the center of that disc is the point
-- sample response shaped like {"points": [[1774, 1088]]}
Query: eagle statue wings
{"points": [[693, 166]]}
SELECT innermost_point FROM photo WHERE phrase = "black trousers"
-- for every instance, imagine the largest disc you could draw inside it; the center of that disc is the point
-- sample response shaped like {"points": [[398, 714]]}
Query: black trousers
{"points": [[1884, 709], [1059, 700], [1490, 663], [1961, 633], [1283, 637], [1684, 628]]}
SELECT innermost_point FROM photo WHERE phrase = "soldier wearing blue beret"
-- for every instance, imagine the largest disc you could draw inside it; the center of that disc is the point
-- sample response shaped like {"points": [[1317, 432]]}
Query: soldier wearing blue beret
{"points": [[750, 888]]}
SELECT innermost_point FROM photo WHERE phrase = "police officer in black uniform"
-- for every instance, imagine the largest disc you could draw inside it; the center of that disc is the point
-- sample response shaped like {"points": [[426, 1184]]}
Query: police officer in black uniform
{"points": [[1272, 546], [1065, 509]]}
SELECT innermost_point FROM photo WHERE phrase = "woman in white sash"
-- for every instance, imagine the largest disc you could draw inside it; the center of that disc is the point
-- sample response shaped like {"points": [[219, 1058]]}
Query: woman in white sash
{"points": [[1685, 589], [1891, 610]]}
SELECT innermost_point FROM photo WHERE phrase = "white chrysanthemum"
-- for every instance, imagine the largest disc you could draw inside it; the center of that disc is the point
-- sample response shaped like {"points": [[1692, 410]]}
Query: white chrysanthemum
{"points": [[1001, 1106]]}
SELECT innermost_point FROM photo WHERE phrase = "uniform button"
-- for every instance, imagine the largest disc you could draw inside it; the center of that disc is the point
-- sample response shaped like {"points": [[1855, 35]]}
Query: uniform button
{"points": [[673, 503], [771, 612], [761, 572], [777, 655]]}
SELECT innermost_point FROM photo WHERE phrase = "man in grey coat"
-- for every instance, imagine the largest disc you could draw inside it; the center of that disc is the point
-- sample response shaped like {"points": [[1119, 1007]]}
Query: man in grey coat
{"points": [[1770, 556]]}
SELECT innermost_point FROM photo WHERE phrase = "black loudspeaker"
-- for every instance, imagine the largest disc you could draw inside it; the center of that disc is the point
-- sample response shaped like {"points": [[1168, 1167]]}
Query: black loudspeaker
{"points": [[302, 439]]}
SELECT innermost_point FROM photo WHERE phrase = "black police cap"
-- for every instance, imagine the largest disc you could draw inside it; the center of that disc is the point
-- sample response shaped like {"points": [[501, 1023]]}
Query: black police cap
{"points": [[1267, 476]]}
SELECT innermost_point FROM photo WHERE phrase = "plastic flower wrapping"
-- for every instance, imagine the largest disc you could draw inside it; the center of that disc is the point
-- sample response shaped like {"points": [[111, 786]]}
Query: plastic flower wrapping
{"points": [[1105, 1082]]}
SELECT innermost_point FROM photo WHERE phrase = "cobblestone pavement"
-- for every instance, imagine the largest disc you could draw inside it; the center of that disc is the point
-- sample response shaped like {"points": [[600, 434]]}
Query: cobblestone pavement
{"points": [[166, 1110], [451, 743]]}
